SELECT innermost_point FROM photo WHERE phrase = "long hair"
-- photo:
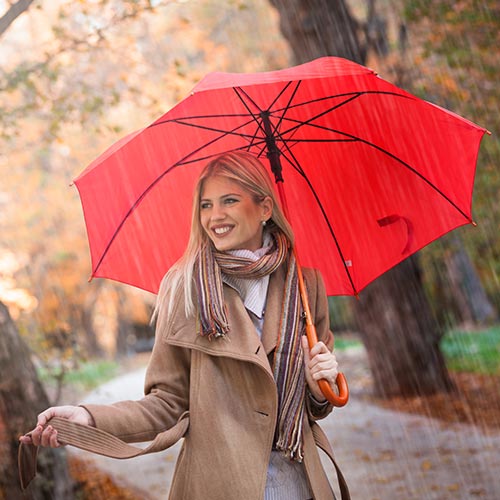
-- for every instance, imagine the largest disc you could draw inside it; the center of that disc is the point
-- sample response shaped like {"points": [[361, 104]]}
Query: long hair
{"points": [[247, 171]]}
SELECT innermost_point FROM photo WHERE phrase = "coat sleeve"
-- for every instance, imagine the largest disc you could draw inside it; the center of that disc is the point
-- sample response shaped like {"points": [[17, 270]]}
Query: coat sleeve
{"points": [[166, 391], [319, 301]]}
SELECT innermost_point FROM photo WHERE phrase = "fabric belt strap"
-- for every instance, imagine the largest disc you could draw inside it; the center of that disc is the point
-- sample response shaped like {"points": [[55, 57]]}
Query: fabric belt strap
{"points": [[98, 441], [323, 443]]}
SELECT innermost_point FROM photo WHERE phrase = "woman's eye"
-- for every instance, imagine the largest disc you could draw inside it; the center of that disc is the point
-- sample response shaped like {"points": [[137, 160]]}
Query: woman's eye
{"points": [[205, 205], [230, 201]]}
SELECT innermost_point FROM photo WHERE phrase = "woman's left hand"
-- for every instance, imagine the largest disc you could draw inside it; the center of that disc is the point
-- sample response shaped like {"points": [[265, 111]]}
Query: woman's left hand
{"points": [[319, 363]]}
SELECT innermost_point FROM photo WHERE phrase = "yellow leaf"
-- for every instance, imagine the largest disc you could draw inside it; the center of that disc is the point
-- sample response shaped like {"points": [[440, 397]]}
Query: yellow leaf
{"points": [[426, 465]]}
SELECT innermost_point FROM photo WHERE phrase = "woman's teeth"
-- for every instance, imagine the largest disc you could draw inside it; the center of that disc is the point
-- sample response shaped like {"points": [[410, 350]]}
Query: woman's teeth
{"points": [[222, 230]]}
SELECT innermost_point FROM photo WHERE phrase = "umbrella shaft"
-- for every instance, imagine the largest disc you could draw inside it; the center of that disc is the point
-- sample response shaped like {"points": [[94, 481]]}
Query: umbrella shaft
{"points": [[302, 288], [273, 153]]}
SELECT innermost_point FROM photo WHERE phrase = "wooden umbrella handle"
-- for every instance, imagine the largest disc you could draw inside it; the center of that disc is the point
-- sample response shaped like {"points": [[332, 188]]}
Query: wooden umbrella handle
{"points": [[312, 339], [341, 382]]}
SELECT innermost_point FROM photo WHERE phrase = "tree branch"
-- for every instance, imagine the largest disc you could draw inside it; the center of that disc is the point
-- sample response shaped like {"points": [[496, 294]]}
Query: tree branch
{"points": [[13, 13]]}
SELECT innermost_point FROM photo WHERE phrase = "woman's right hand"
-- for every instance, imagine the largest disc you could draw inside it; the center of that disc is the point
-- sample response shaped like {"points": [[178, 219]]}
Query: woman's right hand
{"points": [[47, 436]]}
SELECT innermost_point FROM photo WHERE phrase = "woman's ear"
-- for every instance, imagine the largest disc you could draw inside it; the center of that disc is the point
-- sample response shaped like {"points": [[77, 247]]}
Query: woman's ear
{"points": [[267, 207]]}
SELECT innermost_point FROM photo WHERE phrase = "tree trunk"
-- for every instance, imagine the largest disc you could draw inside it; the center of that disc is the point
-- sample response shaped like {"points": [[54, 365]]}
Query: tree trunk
{"points": [[466, 287], [125, 328], [22, 398], [316, 28], [92, 347], [401, 335], [86, 313], [399, 330]]}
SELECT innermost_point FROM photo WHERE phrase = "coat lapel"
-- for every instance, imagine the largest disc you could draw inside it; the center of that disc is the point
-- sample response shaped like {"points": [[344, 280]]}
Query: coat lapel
{"points": [[274, 305], [242, 341]]}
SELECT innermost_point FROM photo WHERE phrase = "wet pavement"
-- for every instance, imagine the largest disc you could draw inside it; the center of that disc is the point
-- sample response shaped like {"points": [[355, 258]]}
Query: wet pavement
{"points": [[385, 455]]}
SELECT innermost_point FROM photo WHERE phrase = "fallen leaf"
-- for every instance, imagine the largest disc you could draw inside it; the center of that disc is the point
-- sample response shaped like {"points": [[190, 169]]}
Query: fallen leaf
{"points": [[426, 465]]}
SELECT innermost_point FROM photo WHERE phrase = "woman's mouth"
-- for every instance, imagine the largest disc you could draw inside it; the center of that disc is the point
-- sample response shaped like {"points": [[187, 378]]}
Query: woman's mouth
{"points": [[220, 230]]}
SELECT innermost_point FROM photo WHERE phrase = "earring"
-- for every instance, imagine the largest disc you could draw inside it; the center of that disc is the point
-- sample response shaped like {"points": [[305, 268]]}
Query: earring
{"points": [[264, 223]]}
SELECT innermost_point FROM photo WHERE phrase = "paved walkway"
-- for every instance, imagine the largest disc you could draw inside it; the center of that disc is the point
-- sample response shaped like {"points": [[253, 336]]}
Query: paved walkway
{"points": [[385, 455]]}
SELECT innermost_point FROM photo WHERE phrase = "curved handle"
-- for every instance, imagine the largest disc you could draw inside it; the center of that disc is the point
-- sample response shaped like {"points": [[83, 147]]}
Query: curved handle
{"points": [[342, 397]]}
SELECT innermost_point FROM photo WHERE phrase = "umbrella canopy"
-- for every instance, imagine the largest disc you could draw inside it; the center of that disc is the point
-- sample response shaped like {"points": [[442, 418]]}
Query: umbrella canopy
{"points": [[371, 173]]}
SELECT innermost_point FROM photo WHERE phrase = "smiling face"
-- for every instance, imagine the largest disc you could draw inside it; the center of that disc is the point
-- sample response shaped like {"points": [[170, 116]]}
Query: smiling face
{"points": [[230, 215]]}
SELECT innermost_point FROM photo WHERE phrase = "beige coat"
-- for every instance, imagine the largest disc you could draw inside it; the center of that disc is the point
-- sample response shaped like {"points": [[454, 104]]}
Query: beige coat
{"points": [[229, 390]]}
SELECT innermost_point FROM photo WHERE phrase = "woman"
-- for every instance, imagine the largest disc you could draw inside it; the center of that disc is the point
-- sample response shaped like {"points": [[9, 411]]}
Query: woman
{"points": [[230, 350]]}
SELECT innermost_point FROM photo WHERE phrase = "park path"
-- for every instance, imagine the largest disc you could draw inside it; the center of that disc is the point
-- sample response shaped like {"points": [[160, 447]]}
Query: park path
{"points": [[385, 455]]}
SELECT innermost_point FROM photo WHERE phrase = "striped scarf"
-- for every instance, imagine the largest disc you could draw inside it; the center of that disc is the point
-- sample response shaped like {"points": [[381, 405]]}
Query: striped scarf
{"points": [[288, 356]]}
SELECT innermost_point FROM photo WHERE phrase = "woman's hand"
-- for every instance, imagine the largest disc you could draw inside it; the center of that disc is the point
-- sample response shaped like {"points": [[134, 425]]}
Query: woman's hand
{"points": [[47, 436], [319, 363]]}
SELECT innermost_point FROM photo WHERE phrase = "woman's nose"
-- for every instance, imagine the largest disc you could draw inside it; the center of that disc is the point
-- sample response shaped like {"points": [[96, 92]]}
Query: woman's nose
{"points": [[218, 212]]}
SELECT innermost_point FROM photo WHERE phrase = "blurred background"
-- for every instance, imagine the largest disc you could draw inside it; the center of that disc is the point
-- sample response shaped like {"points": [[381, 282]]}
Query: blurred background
{"points": [[75, 76]]}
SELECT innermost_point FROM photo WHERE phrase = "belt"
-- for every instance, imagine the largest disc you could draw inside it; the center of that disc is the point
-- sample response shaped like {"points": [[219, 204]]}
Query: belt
{"points": [[97, 441]]}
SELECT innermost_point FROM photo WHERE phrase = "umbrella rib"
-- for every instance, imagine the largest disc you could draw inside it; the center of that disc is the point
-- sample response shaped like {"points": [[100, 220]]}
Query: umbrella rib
{"points": [[259, 122], [296, 165], [368, 143], [260, 127], [208, 157], [287, 107], [319, 140], [146, 191], [354, 138], [293, 161], [240, 89], [213, 129], [237, 90], [281, 92], [262, 149], [197, 117], [315, 117], [275, 130], [355, 94], [329, 110], [253, 143]]}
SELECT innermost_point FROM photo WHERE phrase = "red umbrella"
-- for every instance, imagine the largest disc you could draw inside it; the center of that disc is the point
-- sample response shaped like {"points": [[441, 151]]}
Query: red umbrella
{"points": [[371, 173]]}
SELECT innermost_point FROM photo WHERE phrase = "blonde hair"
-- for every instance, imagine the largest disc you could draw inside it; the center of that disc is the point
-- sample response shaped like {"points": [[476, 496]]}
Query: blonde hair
{"points": [[247, 171]]}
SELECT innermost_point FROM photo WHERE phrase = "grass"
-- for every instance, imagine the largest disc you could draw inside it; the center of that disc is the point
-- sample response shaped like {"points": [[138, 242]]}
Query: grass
{"points": [[465, 351], [89, 374], [92, 374], [473, 352], [341, 343]]}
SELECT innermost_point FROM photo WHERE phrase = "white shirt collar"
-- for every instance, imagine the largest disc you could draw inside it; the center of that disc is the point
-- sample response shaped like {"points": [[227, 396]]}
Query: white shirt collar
{"points": [[253, 292]]}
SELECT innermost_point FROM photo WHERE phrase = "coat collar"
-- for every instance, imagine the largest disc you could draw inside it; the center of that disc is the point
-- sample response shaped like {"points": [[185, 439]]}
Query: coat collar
{"points": [[242, 341]]}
